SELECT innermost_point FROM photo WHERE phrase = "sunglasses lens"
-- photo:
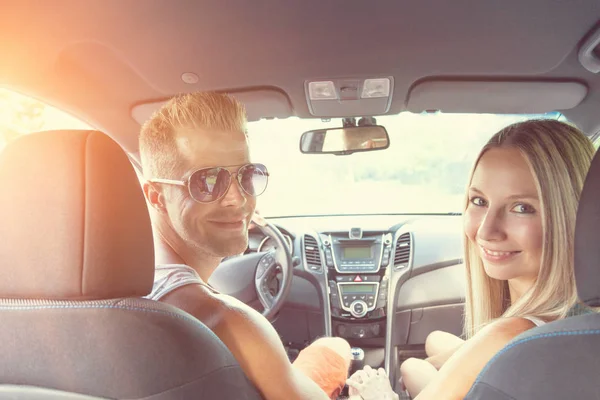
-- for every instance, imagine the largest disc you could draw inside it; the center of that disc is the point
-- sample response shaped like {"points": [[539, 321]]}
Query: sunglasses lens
{"points": [[253, 179], [207, 185], [210, 184]]}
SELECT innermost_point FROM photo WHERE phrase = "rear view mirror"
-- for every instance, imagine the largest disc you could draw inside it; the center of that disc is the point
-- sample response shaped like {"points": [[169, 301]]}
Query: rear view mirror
{"points": [[343, 141]]}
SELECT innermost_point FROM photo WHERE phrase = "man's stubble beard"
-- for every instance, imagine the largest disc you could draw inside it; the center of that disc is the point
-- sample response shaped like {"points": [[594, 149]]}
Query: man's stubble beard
{"points": [[221, 247]]}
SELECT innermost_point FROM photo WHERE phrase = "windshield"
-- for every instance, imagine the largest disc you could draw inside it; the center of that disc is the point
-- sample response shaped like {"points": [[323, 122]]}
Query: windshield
{"points": [[424, 170]]}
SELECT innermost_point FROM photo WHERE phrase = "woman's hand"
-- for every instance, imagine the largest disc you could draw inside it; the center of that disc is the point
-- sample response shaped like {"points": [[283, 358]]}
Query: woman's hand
{"points": [[371, 384]]}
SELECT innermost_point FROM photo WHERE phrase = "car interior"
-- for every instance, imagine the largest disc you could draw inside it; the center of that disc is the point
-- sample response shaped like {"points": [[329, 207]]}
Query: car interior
{"points": [[368, 116]]}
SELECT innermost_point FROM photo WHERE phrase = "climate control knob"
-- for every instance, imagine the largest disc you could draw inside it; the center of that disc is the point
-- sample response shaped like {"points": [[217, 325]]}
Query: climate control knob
{"points": [[358, 309]]}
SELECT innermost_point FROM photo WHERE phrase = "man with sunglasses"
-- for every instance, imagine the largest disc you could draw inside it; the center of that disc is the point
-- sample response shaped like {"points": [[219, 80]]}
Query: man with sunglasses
{"points": [[202, 188]]}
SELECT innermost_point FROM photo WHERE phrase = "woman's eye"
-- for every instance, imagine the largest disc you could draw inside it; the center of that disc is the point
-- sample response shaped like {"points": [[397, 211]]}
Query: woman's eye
{"points": [[523, 209], [478, 201]]}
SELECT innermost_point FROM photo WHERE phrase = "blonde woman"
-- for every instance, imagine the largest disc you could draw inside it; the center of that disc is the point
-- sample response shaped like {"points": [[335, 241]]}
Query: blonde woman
{"points": [[519, 224]]}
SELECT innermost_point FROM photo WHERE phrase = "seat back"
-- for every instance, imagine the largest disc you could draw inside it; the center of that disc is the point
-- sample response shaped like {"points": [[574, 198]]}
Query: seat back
{"points": [[76, 256]]}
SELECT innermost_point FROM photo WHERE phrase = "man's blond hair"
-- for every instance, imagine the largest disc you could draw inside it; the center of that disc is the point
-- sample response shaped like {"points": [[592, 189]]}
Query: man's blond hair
{"points": [[204, 110]]}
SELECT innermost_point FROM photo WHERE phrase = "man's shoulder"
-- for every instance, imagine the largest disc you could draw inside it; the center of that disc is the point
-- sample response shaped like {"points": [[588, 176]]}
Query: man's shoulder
{"points": [[213, 308], [169, 277], [208, 296], [181, 286]]}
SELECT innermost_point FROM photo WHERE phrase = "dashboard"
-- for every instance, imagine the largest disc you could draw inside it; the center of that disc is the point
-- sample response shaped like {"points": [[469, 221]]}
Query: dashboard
{"points": [[381, 282]]}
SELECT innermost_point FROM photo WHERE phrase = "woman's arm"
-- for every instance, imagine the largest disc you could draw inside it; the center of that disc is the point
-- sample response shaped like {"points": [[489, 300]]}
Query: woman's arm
{"points": [[439, 346], [458, 374], [438, 342], [439, 360]]}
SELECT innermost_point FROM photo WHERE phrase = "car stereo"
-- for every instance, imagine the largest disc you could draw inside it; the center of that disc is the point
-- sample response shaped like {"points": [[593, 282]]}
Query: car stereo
{"points": [[359, 254]]}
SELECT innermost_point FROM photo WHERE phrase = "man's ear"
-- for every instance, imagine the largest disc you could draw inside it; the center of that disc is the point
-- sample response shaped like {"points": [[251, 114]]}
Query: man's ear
{"points": [[154, 197]]}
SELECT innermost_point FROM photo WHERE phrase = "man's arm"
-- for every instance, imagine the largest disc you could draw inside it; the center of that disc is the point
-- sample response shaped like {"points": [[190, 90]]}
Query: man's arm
{"points": [[458, 374], [252, 340]]}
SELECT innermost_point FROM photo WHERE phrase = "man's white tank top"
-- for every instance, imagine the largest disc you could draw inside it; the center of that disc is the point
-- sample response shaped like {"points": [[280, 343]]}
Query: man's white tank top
{"points": [[168, 277]]}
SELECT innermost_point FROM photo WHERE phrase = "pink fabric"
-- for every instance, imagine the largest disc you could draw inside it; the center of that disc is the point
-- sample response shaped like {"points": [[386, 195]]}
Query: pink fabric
{"points": [[325, 367]]}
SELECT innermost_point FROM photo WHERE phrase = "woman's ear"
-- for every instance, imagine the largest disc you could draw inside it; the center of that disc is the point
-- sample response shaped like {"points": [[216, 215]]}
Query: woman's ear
{"points": [[154, 197]]}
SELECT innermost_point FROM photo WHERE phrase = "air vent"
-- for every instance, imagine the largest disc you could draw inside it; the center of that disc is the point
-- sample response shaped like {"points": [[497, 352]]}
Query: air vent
{"points": [[312, 254], [402, 253]]}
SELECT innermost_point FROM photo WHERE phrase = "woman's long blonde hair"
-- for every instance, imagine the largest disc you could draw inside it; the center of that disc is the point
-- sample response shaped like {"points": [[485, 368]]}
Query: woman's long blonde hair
{"points": [[559, 156]]}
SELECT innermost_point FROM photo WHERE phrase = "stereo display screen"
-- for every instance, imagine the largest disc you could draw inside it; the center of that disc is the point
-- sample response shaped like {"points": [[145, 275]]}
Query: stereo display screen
{"points": [[356, 253]]}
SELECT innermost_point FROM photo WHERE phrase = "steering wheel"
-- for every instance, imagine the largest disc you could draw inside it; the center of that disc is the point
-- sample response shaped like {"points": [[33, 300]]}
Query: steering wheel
{"points": [[268, 263], [247, 277]]}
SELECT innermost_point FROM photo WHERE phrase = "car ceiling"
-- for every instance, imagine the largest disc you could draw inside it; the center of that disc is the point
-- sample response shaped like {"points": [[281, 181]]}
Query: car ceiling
{"points": [[99, 59]]}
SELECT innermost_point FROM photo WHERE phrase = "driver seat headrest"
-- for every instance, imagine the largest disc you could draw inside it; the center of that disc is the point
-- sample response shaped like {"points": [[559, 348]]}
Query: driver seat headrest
{"points": [[587, 238], [74, 223]]}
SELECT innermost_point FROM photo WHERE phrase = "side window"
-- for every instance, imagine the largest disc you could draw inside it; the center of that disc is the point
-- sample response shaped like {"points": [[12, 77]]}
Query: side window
{"points": [[597, 142], [20, 115]]}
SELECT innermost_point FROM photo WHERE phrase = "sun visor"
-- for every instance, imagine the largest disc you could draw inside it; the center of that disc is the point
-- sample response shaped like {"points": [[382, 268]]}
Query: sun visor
{"points": [[262, 103], [495, 97]]}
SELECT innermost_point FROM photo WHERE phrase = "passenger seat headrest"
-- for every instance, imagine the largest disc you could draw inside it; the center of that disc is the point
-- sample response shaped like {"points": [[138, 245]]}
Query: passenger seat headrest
{"points": [[587, 238], [73, 221]]}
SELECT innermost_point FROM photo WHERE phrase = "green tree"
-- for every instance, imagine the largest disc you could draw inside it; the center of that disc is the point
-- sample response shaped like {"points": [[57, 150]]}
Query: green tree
{"points": [[597, 143]]}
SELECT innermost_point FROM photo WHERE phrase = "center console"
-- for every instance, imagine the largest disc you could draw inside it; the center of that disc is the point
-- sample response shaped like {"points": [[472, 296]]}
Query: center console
{"points": [[358, 282]]}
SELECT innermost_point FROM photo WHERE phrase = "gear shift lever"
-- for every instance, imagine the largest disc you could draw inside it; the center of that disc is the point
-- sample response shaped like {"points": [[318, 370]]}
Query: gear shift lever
{"points": [[357, 362], [357, 359]]}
